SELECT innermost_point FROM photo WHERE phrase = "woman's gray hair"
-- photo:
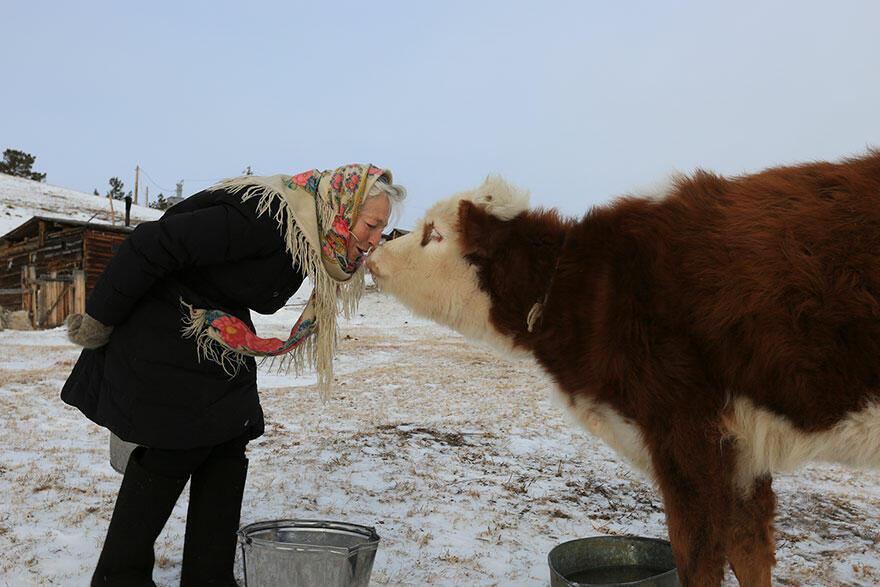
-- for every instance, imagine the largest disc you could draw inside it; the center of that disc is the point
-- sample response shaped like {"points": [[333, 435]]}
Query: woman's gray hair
{"points": [[396, 195]]}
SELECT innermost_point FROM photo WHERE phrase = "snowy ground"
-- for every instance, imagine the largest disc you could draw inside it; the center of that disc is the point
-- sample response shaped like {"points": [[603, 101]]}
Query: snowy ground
{"points": [[467, 469], [20, 199]]}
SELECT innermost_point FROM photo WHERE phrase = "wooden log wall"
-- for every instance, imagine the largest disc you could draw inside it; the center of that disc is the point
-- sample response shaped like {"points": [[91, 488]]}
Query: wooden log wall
{"points": [[57, 251], [98, 248], [13, 261]]}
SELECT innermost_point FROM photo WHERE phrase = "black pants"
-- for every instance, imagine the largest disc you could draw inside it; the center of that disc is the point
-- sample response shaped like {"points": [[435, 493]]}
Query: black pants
{"points": [[180, 464], [153, 481]]}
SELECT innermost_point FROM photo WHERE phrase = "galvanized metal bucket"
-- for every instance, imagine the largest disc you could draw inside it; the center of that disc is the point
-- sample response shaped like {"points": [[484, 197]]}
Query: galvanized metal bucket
{"points": [[284, 553], [613, 560]]}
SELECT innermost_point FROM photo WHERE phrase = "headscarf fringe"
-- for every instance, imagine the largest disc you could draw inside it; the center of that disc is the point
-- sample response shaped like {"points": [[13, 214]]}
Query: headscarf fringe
{"points": [[206, 347], [298, 360], [330, 296], [319, 353]]}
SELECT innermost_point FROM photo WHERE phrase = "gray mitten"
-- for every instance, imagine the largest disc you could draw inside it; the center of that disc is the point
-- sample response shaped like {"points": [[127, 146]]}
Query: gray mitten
{"points": [[87, 332]]}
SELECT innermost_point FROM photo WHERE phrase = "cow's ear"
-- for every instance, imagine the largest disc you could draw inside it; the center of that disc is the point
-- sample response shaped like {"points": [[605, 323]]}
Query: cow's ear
{"points": [[477, 228]]}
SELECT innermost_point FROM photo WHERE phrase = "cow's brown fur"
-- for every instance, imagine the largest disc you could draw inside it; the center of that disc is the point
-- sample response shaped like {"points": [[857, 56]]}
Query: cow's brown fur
{"points": [[764, 287]]}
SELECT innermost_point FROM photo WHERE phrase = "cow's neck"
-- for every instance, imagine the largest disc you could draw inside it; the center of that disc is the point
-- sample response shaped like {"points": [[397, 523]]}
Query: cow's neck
{"points": [[535, 317], [576, 297], [528, 323], [520, 281]]}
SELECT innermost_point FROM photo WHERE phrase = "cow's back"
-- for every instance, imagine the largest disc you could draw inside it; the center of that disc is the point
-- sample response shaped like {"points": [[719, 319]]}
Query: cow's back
{"points": [[777, 277]]}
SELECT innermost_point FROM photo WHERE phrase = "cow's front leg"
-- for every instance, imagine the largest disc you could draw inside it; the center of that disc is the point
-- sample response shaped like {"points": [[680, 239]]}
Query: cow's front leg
{"points": [[750, 542], [693, 471]]}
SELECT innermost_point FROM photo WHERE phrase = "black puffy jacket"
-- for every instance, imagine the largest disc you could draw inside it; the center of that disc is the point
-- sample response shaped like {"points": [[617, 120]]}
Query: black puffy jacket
{"points": [[147, 384]]}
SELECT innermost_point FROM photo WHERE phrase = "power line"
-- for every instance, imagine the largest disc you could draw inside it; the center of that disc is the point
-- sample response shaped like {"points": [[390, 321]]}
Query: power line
{"points": [[185, 179], [153, 181]]}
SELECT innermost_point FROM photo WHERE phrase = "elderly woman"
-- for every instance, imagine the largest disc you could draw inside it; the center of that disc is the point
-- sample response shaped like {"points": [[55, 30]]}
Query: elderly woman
{"points": [[169, 364]]}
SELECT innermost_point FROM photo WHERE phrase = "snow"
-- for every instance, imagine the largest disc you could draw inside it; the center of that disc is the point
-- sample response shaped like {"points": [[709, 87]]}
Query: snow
{"points": [[468, 470], [20, 199], [458, 457]]}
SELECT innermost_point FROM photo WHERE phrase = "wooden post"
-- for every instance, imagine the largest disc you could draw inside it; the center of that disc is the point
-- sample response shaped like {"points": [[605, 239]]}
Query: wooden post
{"points": [[112, 213], [40, 298], [25, 289], [79, 291], [44, 301], [52, 300], [29, 285]]}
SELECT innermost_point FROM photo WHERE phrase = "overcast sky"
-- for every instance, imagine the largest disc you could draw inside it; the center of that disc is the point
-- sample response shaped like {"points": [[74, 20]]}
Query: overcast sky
{"points": [[576, 101]]}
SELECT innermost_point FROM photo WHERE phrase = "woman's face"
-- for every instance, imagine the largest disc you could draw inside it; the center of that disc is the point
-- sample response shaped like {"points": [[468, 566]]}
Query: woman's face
{"points": [[367, 231]]}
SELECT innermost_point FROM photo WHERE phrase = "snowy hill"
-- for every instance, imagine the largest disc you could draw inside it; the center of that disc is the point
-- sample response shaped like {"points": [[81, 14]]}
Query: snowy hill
{"points": [[22, 198]]}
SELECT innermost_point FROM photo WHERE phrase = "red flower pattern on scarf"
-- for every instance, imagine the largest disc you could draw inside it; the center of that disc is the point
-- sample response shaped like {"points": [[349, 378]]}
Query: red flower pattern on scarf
{"points": [[255, 343], [302, 178], [336, 182], [340, 226], [236, 335], [232, 330], [353, 181]]}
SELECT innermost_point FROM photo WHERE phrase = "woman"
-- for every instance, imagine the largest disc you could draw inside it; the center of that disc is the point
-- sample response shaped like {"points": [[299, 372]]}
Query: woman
{"points": [[169, 364]]}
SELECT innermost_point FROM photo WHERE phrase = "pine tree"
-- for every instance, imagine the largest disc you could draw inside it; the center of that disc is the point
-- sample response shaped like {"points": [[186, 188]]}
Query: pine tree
{"points": [[160, 203], [20, 164], [116, 192]]}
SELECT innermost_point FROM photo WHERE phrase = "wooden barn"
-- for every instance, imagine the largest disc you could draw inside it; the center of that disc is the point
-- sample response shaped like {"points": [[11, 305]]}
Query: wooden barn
{"points": [[48, 266]]}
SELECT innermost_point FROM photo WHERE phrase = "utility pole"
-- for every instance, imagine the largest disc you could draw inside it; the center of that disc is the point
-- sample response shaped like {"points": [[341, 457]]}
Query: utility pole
{"points": [[137, 172], [147, 197]]}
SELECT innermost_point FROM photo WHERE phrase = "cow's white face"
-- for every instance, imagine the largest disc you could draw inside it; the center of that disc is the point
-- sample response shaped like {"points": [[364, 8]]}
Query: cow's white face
{"points": [[427, 270]]}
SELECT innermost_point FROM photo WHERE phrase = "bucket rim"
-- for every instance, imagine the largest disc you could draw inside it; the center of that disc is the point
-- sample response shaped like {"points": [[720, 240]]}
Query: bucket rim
{"points": [[625, 537], [368, 532]]}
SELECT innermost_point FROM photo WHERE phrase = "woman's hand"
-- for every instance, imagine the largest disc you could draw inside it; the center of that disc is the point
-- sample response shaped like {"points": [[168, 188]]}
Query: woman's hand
{"points": [[87, 332]]}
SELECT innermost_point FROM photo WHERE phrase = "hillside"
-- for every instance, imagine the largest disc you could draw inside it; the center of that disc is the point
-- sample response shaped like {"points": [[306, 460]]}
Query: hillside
{"points": [[20, 199]]}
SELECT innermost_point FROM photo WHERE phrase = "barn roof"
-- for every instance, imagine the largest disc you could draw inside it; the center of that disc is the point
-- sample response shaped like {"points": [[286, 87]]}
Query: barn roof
{"points": [[31, 228]]}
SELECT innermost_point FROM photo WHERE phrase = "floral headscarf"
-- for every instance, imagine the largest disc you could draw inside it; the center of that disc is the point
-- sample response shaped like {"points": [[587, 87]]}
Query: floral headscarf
{"points": [[315, 211]]}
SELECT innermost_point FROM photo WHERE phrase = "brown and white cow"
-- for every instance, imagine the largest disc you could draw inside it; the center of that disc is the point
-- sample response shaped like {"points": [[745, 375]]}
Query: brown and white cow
{"points": [[724, 331]]}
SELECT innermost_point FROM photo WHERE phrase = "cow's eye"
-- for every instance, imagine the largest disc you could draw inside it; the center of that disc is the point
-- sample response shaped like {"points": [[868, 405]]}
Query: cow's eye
{"points": [[430, 233]]}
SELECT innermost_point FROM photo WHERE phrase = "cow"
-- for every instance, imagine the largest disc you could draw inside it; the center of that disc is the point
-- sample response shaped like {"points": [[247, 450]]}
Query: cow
{"points": [[712, 334]]}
